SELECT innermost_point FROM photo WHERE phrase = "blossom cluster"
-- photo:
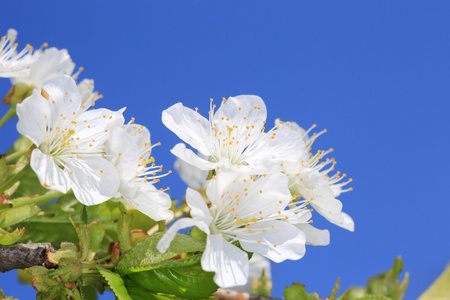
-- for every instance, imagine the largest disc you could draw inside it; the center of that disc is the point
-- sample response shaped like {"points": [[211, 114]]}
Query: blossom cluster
{"points": [[251, 190], [89, 151], [262, 190]]}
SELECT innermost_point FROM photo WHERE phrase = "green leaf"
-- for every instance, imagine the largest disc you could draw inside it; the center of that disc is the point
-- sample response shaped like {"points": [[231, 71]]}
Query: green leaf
{"points": [[3, 170], [96, 234], [67, 250], [335, 289], [88, 292], [440, 289], [189, 282], [29, 185], [137, 293], [388, 284], [83, 238], [116, 283], [16, 215], [69, 270], [298, 292], [11, 238], [144, 255], [353, 293]]}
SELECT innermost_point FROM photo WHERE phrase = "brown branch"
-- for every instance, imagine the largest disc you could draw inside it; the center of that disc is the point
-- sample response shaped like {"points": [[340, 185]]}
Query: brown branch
{"points": [[224, 294], [22, 256]]}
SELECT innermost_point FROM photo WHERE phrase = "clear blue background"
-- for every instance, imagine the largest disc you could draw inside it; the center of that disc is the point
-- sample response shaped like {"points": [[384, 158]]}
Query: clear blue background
{"points": [[374, 73]]}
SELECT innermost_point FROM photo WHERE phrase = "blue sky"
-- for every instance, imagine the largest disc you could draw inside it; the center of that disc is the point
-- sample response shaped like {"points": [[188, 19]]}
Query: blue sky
{"points": [[375, 74]]}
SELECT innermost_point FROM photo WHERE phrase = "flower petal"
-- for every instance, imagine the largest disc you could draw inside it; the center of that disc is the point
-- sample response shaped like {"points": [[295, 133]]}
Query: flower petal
{"points": [[191, 175], [228, 262], [151, 202], [63, 96], [122, 152], [189, 126], [314, 236], [32, 113], [278, 243], [49, 174], [243, 110], [50, 63], [265, 196], [168, 237], [340, 219], [94, 126], [140, 134], [94, 179], [199, 211], [190, 157]]}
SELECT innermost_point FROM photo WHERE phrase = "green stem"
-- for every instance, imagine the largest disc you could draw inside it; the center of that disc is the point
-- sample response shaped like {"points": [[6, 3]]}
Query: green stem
{"points": [[35, 200], [14, 156], [14, 179], [8, 115]]}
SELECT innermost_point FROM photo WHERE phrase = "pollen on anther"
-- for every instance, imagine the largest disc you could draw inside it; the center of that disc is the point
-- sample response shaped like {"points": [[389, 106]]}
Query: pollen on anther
{"points": [[101, 171]]}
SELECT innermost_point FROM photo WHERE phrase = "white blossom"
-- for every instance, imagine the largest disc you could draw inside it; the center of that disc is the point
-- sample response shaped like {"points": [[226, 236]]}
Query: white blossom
{"points": [[192, 176], [233, 137], [13, 63], [47, 63], [70, 141], [310, 181], [243, 209], [129, 149]]}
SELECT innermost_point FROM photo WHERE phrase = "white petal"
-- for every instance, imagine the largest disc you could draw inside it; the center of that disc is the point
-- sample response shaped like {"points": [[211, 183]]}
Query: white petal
{"points": [[236, 108], [123, 153], [340, 219], [94, 179], [314, 236], [218, 186], [141, 136], [168, 237], [63, 96], [191, 175], [190, 157], [228, 262], [98, 123], [34, 115], [301, 217], [49, 174], [289, 240], [153, 203], [199, 211], [86, 90], [265, 196], [50, 63], [184, 122]]}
